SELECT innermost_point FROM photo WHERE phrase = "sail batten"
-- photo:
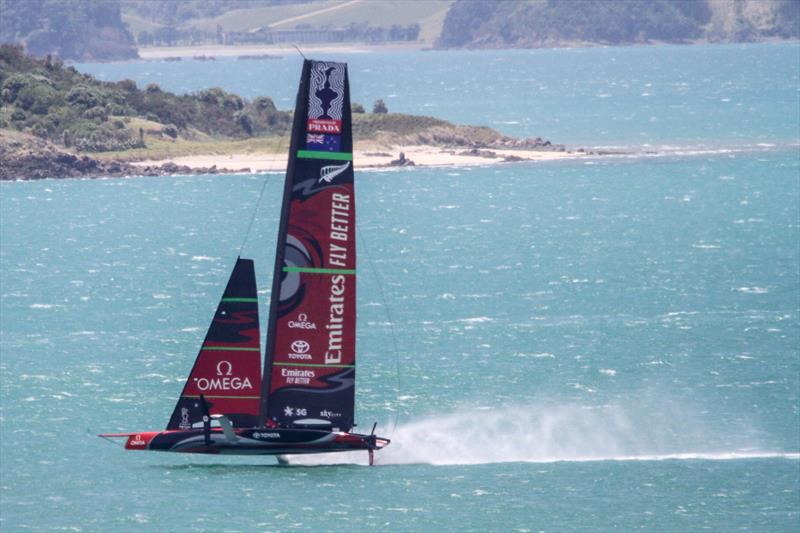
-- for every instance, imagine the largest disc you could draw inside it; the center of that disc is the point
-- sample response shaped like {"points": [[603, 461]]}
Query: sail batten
{"points": [[309, 366]]}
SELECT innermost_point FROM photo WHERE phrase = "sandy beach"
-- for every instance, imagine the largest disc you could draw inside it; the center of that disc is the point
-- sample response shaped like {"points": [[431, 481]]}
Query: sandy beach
{"points": [[424, 156], [162, 52]]}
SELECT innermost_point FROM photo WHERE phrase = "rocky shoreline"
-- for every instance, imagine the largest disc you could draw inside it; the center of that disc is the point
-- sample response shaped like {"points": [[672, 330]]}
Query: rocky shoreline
{"points": [[25, 157]]}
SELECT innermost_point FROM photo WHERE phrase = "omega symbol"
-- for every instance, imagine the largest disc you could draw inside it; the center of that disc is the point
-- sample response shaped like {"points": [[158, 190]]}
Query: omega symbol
{"points": [[224, 368]]}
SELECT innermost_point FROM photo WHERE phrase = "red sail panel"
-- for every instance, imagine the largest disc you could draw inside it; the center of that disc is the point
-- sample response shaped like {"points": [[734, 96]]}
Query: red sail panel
{"points": [[316, 323], [310, 361], [227, 371]]}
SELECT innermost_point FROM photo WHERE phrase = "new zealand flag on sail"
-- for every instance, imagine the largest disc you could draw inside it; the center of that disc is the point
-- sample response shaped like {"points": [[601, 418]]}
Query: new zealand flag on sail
{"points": [[323, 142]]}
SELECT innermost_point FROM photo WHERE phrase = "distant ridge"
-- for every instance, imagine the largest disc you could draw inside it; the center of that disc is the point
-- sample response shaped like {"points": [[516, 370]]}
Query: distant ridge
{"points": [[70, 29], [546, 23]]}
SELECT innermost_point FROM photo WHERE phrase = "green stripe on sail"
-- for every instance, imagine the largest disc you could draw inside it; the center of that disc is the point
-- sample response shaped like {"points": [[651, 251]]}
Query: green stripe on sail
{"points": [[337, 156], [231, 348], [226, 397], [307, 270], [243, 300], [277, 363]]}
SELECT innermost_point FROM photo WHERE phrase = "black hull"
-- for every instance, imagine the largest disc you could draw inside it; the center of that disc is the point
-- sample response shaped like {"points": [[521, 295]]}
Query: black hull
{"points": [[253, 441]]}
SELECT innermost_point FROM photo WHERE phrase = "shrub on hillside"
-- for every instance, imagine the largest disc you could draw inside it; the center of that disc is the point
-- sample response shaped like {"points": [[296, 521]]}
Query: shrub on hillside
{"points": [[379, 107]]}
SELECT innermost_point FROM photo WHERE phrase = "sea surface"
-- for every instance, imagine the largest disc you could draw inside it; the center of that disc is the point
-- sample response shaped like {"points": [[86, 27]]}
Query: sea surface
{"points": [[601, 344]]}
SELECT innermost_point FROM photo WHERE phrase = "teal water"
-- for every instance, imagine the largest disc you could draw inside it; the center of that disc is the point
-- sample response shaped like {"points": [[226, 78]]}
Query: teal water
{"points": [[664, 96], [585, 345]]}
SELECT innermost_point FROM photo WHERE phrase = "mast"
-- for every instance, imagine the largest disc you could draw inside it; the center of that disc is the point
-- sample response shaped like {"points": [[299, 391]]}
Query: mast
{"points": [[309, 362], [300, 111]]}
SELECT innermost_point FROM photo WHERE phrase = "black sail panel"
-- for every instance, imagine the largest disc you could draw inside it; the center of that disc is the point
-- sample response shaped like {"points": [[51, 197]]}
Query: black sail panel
{"points": [[309, 373]]}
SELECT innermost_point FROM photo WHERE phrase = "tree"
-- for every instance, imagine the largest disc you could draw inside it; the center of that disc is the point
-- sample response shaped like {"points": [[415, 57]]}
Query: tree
{"points": [[379, 107]]}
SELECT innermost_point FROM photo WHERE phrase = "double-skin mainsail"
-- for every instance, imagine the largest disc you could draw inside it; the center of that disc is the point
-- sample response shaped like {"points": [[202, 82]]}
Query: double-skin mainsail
{"points": [[309, 368]]}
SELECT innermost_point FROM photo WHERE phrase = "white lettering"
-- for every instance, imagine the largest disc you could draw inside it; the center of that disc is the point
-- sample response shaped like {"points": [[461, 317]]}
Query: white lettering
{"points": [[302, 325], [258, 435], [333, 355], [340, 222], [297, 373], [185, 424], [223, 384]]}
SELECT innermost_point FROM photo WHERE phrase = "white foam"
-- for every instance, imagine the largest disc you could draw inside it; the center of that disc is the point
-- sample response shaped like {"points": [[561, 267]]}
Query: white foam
{"points": [[535, 355], [753, 290], [548, 434]]}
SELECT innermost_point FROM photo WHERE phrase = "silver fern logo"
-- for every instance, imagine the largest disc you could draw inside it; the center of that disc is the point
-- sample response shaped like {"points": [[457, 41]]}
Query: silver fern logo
{"points": [[328, 173]]}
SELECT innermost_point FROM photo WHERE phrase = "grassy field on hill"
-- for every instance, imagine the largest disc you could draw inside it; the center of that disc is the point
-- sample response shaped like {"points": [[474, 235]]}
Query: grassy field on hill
{"points": [[249, 19], [316, 14]]}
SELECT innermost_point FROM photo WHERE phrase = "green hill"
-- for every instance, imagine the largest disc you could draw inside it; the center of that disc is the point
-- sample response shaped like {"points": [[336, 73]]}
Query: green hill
{"points": [[166, 22], [55, 103], [83, 30], [541, 23]]}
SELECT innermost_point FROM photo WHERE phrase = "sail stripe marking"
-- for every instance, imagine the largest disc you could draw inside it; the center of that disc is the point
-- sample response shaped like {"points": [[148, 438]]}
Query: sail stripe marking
{"points": [[231, 348], [336, 156], [308, 270], [279, 363], [243, 300]]}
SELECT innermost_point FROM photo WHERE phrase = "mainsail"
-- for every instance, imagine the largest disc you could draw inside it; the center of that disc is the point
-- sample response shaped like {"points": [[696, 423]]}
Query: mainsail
{"points": [[309, 366], [227, 370]]}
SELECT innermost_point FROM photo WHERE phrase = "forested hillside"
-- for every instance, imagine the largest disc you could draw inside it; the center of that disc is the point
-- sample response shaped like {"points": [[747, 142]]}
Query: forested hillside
{"points": [[541, 23], [84, 30], [58, 103]]}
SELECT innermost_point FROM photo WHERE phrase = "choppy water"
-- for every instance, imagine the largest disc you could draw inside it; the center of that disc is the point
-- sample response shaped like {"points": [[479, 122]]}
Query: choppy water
{"points": [[581, 345]]}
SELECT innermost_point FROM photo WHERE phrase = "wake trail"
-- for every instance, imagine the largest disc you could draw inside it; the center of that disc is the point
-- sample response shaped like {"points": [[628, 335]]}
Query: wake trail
{"points": [[560, 433], [354, 458]]}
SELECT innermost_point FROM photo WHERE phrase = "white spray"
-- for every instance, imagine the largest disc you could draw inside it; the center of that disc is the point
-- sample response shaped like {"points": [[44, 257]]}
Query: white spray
{"points": [[550, 433]]}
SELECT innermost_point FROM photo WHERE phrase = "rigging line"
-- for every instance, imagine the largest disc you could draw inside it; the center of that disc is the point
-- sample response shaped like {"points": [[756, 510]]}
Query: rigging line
{"points": [[299, 51], [374, 270], [261, 194], [111, 441]]}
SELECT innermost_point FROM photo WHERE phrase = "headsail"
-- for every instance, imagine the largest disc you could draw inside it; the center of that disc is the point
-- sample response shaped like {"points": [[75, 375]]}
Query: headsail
{"points": [[309, 367], [227, 370]]}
